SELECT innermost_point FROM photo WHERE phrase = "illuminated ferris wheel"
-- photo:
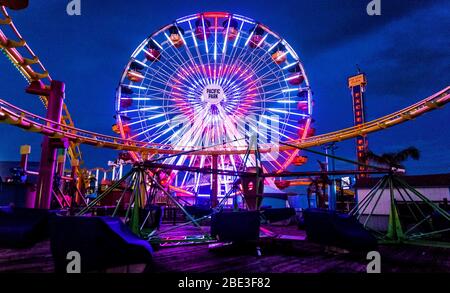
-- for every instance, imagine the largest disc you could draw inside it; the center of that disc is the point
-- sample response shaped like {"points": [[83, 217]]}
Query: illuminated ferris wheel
{"points": [[212, 80]]}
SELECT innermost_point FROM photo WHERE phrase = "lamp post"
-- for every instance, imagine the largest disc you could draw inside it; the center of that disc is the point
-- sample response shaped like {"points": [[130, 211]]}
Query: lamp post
{"points": [[25, 151]]}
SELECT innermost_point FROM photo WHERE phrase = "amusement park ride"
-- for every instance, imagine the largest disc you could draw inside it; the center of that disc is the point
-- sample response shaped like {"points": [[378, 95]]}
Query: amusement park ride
{"points": [[212, 104]]}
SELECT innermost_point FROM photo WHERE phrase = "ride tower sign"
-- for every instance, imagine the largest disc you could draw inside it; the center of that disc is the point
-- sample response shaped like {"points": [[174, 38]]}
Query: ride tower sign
{"points": [[357, 85]]}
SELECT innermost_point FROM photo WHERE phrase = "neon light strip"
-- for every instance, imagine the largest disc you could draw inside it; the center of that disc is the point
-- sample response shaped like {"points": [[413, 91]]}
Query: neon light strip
{"points": [[243, 19], [193, 34], [238, 35], [226, 36], [148, 129], [140, 109], [135, 74], [215, 42], [135, 86], [286, 101], [289, 65], [147, 52], [293, 54], [187, 18], [181, 36], [262, 40], [269, 128], [168, 38], [277, 120], [289, 90], [286, 112], [138, 49], [142, 63], [273, 46], [146, 119], [157, 44], [250, 36], [165, 131], [204, 35], [135, 99], [293, 77]]}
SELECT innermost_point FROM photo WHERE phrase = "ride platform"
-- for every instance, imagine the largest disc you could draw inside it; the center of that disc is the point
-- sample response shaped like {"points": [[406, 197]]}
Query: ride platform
{"points": [[293, 254]]}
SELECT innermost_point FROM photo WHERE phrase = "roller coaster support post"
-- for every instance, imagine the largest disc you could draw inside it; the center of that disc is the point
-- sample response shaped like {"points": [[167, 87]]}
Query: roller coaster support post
{"points": [[55, 97], [331, 165], [60, 166], [73, 186], [214, 182]]}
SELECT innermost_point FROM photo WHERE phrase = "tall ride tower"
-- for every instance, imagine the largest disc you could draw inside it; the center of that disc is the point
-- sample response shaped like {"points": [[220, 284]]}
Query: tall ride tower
{"points": [[357, 85]]}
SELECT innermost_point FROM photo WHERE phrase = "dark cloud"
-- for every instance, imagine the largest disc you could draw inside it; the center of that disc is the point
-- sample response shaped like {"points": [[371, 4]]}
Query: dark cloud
{"points": [[336, 22], [416, 54]]}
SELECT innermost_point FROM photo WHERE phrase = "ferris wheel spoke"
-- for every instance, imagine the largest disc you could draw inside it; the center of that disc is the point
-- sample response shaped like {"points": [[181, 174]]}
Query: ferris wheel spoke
{"points": [[279, 121], [235, 49], [174, 64], [156, 126], [161, 68], [215, 41], [161, 131], [263, 66], [160, 74], [262, 61], [268, 82], [274, 110], [181, 63], [235, 60], [197, 50], [205, 39], [145, 131], [273, 161], [156, 76], [153, 88], [145, 109], [191, 160], [243, 84], [190, 136], [224, 47], [263, 76], [269, 128], [165, 82], [249, 54], [185, 121], [170, 140], [232, 132]]}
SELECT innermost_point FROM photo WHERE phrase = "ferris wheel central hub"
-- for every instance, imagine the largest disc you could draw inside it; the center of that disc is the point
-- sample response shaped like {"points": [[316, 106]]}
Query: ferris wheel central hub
{"points": [[213, 94]]}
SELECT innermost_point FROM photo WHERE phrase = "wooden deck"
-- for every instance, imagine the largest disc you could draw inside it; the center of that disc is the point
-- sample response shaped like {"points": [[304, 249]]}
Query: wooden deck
{"points": [[277, 256]]}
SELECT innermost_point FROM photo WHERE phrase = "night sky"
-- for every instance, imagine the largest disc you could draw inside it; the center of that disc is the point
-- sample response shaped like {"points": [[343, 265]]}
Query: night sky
{"points": [[405, 53]]}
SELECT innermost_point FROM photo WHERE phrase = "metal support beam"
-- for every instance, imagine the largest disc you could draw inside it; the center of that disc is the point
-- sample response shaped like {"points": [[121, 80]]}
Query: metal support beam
{"points": [[49, 149], [214, 182]]}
